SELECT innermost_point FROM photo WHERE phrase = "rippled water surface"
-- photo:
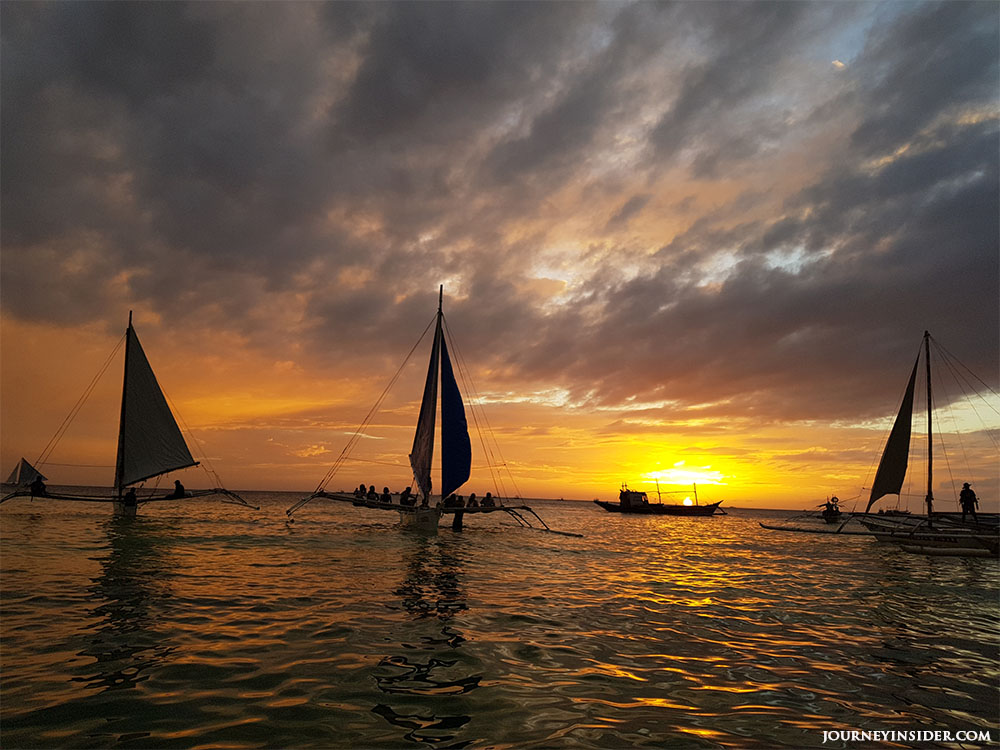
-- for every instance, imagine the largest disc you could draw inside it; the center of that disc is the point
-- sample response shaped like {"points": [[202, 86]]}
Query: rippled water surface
{"points": [[214, 626]]}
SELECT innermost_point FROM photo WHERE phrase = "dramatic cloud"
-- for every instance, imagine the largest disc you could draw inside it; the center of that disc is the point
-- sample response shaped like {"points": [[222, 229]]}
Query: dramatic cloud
{"points": [[669, 214]]}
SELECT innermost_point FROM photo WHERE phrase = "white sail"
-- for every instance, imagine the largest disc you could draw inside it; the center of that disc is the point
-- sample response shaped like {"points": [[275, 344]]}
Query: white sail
{"points": [[149, 441], [422, 452], [24, 473]]}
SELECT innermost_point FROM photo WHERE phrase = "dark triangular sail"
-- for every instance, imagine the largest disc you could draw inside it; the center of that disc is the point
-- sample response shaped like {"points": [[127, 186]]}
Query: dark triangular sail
{"points": [[149, 441], [456, 448], [24, 473], [892, 467], [422, 452]]}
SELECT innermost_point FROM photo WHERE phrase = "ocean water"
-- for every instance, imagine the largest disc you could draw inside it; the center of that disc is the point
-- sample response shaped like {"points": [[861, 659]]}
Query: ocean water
{"points": [[213, 626]]}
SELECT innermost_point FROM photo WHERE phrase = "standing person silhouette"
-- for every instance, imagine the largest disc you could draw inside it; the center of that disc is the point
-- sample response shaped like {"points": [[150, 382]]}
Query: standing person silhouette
{"points": [[969, 502], [37, 487]]}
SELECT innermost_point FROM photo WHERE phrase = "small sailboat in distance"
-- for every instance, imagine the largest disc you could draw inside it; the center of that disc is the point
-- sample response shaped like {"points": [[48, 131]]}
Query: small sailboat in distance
{"points": [[423, 510], [149, 442], [24, 474]]}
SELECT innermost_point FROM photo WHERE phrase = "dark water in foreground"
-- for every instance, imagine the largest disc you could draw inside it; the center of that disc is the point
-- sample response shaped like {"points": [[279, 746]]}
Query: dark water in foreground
{"points": [[214, 626]]}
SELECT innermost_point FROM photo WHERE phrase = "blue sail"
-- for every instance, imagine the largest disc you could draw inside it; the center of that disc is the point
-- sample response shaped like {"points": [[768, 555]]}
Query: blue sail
{"points": [[456, 449]]}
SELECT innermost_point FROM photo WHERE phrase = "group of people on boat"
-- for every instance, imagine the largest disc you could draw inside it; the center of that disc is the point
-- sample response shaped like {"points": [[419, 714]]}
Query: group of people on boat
{"points": [[966, 498], [374, 496], [407, 498], [457, 501]]}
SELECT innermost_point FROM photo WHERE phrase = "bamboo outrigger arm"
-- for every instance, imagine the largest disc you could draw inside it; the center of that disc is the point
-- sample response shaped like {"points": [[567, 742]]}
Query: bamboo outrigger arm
{"points": [[231, 498], [511, 510]]}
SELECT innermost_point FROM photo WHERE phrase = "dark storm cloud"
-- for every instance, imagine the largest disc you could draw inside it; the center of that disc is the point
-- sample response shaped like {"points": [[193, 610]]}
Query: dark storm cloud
{"points": [[304, 175], [933, 59], [748, 44], [441, 60]]}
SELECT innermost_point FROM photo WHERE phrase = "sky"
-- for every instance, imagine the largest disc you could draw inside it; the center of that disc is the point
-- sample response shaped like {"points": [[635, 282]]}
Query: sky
{"points": [[679, 242]]}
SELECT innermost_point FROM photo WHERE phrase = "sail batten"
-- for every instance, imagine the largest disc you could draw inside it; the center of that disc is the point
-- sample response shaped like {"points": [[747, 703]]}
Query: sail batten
{"points": [[456, 448], [892, 467], [422, 453], [149, 441]]}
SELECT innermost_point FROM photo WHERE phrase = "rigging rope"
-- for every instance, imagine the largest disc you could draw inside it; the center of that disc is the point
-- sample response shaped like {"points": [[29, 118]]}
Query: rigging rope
{"points": [[205, 464], [371, 414], [54, 441], [492, 453]]}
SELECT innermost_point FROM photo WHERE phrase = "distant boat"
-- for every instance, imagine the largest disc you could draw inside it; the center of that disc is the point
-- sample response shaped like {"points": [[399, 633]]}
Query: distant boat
{"points": [[630, 501], [831, 511], [934, 533], [423, 510], [24, 474], [149, 443]]}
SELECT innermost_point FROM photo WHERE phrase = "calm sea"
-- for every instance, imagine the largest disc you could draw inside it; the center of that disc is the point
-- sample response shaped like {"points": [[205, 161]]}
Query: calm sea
{"points": [[213, 626]]}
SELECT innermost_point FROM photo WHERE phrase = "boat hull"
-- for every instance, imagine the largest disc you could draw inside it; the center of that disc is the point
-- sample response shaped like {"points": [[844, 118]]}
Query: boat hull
{"points": [[126, 511], [922, 535], [424, 520], [661, 509]]}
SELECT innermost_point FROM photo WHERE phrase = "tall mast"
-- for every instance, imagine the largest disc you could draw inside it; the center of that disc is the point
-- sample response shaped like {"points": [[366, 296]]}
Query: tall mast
{"points": [[438, 335], [930, 435], [120, 461]]}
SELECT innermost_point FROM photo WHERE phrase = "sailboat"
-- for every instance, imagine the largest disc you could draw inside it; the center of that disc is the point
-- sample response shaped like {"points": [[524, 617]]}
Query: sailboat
{"points": [[149, 442], [939, 533], [424, 509], [24, 474], [935, 533]]}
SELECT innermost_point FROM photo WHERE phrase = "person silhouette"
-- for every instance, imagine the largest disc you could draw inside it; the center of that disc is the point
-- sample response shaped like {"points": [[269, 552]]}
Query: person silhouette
{"points": [[969, 502], [37, 487]]}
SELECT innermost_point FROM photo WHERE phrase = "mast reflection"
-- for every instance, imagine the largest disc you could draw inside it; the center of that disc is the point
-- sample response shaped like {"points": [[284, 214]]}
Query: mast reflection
{"points": [[134, 581], [432, 591]]}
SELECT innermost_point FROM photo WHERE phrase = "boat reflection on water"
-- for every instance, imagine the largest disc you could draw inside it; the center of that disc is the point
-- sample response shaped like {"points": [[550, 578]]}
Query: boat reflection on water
{"points": [[134, 580], [431, 594]]}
